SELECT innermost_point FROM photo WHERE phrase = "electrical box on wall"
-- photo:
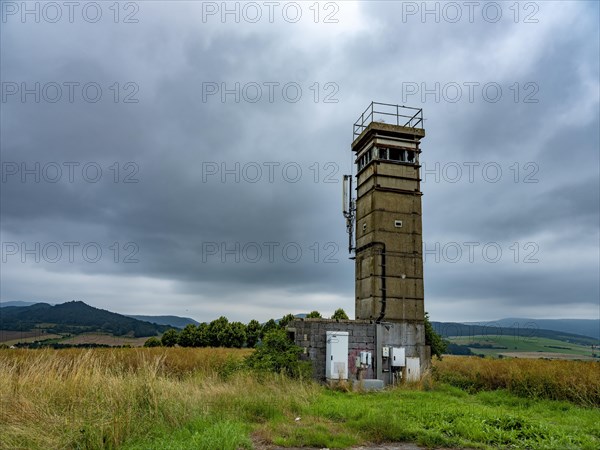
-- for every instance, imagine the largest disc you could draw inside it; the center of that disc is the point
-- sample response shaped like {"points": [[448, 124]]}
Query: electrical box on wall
{"points": [[385, 352], [336, 355], [398, 357], [365, 359]]}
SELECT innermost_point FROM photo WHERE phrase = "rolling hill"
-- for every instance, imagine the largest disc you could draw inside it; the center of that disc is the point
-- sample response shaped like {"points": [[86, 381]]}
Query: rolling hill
{"points": [[172, 321], [20, 304], [452, 329], [74, 317], [585, 327]]}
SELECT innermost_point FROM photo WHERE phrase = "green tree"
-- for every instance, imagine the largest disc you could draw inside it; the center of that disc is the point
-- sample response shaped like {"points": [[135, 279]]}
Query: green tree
{"points": [[253, 330], [214, 328], [202, 330], [279, 354], [285, 320], [270, 325], [153, 342], [233, 335], [169, 338], [189, 336], [314, 315], [340, 314], [434, 340]]}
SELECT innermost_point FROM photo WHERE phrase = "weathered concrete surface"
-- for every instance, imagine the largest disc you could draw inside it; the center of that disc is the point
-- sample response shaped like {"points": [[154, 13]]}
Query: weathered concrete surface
{"points": [[389, 216], [363, 335], [310, 335]]}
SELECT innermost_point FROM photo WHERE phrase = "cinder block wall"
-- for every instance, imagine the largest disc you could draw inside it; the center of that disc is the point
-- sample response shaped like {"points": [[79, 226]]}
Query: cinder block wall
{"points": [[310, 334]]}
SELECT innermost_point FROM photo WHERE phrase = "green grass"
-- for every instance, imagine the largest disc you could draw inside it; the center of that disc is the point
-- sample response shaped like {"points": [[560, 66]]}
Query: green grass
{"points": [[201, 434], [204, 399], [520, 344], [445, 416]]}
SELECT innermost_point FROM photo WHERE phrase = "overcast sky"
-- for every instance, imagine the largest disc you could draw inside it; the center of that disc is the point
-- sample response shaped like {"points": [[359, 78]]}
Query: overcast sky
{"points": [[176, 158]]}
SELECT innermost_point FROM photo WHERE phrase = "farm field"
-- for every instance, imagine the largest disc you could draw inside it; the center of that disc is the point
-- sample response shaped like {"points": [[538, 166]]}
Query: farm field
{"points": [[14, 337], [9, 337], [510, 345], [184, 398], [107, 339]]}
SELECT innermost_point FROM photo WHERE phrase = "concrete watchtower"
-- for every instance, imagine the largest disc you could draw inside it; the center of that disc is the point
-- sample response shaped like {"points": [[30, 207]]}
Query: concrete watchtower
{"points": [[389, 243], [386, 342]]}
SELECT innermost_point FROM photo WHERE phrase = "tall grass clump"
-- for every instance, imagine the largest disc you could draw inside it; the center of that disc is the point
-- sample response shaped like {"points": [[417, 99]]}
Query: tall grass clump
{"points": [[110, 398], [575, 381]]}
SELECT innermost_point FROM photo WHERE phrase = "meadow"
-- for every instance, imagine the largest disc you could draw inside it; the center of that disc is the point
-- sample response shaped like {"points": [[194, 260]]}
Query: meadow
{"points": [[202, 398], [494, 345]]}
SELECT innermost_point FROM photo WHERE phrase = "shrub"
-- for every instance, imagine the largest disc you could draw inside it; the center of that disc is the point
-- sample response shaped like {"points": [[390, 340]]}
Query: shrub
{"points": [[279, 354], [153, 342], [434, 340]]}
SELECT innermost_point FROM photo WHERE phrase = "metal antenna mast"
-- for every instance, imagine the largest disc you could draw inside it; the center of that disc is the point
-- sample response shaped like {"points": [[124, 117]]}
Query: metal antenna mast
{"points": [[349, 208]]}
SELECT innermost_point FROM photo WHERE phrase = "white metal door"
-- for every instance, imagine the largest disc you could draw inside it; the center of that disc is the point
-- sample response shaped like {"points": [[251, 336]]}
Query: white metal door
{"points": [[413, 369], [336, 355]]}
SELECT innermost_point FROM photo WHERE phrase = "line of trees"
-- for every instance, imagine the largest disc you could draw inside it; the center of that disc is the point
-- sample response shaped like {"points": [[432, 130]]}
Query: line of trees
{"points": [[222, 333]]}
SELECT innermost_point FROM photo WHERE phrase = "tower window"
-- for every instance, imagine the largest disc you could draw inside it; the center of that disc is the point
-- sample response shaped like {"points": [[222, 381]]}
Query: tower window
{"points": [[365, 159], [389, 154], [394, 154]]}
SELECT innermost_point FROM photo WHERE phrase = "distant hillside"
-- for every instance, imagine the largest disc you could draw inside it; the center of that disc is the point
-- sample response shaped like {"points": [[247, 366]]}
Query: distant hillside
{"points": [[74, 317], [20, 304], [585, 327], [447, 329], [172, 321]]}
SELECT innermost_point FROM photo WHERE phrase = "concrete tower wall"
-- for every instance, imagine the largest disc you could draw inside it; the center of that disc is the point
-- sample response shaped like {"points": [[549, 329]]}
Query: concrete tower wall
{"points": [[388, 216]]}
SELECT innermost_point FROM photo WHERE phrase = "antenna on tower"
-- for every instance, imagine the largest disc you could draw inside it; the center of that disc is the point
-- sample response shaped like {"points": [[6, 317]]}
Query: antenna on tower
{"points": [[349, 209]]}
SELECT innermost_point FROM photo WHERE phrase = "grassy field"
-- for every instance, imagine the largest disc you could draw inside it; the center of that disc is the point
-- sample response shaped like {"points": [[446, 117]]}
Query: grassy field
{"points": [[14, 337], [512, 344], [102, 338], [204, 399], [575, 381]]}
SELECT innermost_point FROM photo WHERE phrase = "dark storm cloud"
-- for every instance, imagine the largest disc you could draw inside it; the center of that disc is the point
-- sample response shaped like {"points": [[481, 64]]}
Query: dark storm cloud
{"points": [[184, 219]]}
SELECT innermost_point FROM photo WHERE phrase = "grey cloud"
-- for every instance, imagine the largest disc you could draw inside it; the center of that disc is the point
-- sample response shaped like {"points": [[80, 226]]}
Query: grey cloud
{"points": [[171, 212]]}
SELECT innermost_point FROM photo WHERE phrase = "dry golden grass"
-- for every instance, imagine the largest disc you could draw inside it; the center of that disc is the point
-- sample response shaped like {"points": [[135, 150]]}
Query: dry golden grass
{"points": [[102, 398], [107, 339], [576, 381]]}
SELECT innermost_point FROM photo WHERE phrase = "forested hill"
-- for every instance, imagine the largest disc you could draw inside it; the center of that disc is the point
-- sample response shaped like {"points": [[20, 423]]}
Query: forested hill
{"points": [[447, 329], [172, 321], [74, 317]]}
